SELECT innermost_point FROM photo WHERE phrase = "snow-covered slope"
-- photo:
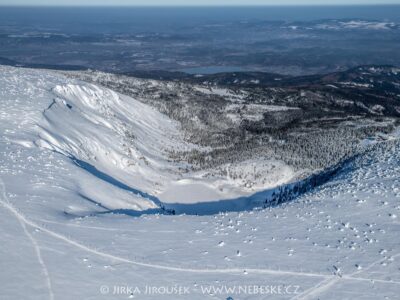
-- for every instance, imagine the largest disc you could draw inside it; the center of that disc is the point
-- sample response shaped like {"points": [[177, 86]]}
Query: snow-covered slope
{"points": [[60, 241], [112, 136], [121, 141]]}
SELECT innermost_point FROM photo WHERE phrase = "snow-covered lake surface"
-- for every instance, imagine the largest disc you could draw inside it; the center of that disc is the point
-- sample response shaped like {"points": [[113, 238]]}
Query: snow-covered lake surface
{"points": [[74, 157]]}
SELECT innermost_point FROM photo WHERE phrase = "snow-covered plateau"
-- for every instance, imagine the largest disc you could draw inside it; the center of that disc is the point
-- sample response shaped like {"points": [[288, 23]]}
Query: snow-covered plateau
{"points": [[87, 191]]}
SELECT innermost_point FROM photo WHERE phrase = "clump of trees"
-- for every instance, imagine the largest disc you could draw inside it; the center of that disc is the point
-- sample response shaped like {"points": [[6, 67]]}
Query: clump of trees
{"points": [[325, 128]]}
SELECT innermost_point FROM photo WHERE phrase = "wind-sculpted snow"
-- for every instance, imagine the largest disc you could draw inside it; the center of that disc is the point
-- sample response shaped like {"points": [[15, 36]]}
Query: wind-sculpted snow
{"points": [[123, 144], [120, 137], [62, 236]]}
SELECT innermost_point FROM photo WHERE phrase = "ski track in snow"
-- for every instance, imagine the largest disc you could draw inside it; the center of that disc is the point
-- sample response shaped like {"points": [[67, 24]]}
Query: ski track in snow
{"points": [[321, 281], [329, 282], [373, 264], [107, 228], [26, 221], [329, 279], [312, 292], [6, 203]]}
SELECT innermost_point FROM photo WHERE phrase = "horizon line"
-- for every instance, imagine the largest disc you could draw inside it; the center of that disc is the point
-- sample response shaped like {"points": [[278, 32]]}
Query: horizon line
{"points": [[200, 5]]}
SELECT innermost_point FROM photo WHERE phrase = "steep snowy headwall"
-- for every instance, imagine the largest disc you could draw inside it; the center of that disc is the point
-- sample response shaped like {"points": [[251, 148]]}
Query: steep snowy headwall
{"points": [[118, 135], [123, 145]]}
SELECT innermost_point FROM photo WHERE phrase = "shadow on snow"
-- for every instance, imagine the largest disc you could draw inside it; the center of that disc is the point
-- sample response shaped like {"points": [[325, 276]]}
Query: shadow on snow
{"points": [[262, 199]]}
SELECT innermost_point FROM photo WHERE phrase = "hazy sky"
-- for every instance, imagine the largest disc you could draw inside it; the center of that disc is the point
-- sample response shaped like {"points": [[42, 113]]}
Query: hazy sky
{"points": [[194, 2]]}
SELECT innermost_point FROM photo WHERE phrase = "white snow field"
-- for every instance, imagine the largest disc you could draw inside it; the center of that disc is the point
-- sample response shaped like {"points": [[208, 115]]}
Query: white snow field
{"points": [[81, 171]]}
